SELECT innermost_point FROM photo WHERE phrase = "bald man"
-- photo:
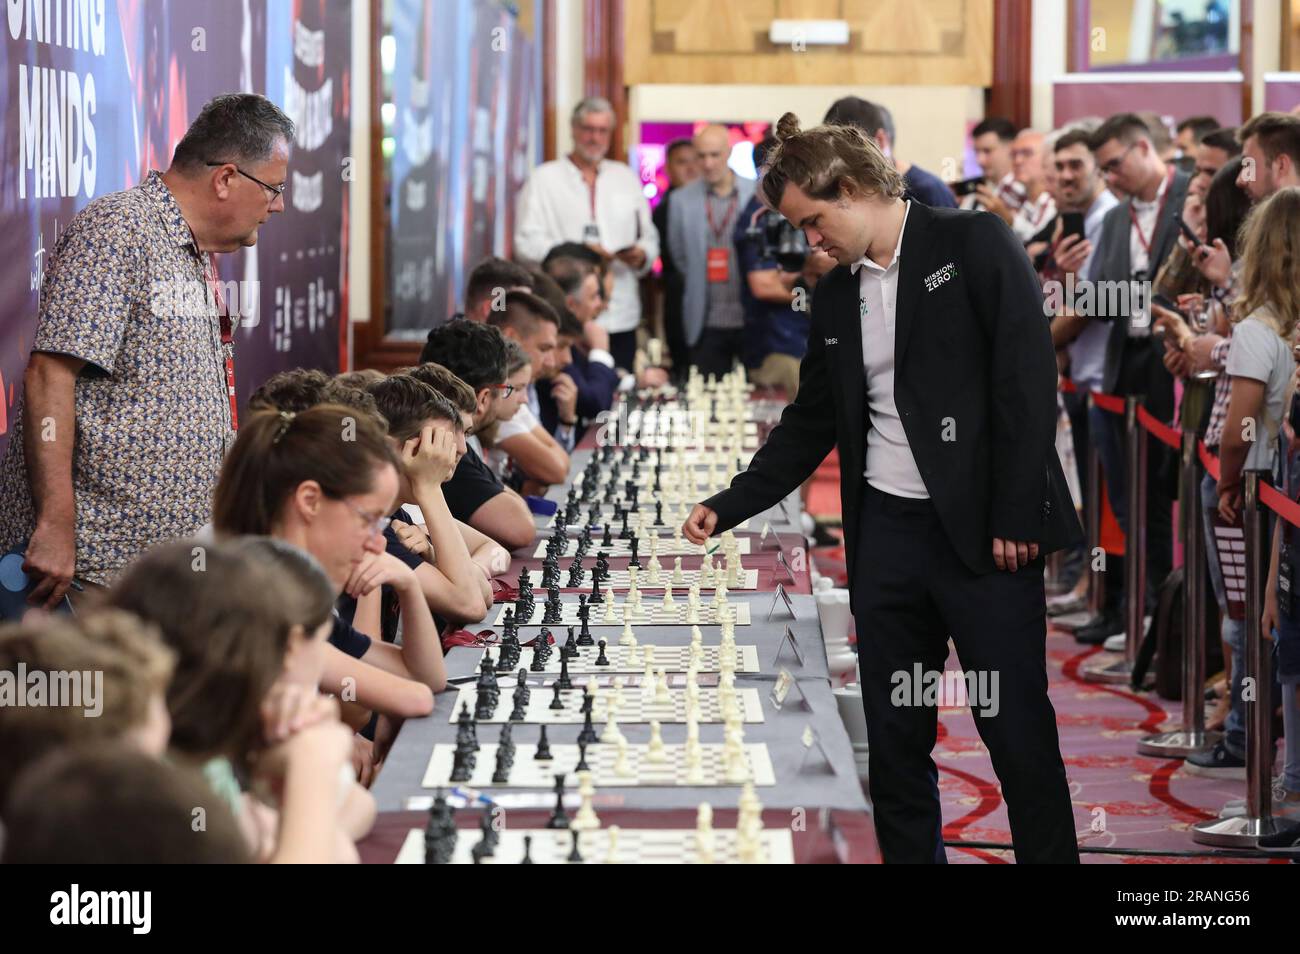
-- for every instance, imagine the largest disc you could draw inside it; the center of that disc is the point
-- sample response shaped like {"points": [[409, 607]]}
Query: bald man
{"points": [[701, 219]]}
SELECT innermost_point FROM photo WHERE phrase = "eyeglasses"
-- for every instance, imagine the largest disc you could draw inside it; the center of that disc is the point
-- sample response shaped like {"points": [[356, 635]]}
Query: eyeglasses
{"points": [[374, 525], [505, 389], [276, 191], [1108, 168]]}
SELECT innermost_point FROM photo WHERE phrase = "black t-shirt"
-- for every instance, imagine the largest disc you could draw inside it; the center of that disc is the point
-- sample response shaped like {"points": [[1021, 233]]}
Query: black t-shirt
{"points": [[346, 638], [389, 604], [470, 487]]}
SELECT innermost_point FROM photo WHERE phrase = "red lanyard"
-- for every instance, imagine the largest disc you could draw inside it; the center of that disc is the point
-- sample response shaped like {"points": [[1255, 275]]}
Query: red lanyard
{"points": [[726, 221], [227, 340], [1132, 214]]}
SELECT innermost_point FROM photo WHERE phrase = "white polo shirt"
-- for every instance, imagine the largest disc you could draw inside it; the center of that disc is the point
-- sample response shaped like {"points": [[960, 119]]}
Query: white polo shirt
{"points": [[890, 466]]}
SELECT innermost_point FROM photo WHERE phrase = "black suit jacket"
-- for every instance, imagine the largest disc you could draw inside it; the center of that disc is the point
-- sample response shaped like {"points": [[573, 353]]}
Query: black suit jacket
{"points": [[973, 361]]}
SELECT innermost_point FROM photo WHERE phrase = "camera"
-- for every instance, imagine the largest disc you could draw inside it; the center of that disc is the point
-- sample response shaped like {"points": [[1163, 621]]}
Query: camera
{"points": [[780, 240]]}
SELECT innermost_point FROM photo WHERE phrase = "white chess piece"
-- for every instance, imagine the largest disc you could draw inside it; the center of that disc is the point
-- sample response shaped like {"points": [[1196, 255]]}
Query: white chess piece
{"points": [[678, 576], [586, 819], [609, 607], [627, 638], [655, 751], [662, 695], [622, 767], [706, 571], [610, 734], [611, 845], [653, 569], [694, 764], [704, 835], [668, 601]]}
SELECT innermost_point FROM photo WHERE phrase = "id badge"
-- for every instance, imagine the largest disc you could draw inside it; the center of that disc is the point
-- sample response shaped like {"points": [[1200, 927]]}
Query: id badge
{"points": [[718, 265], [591, 234], [1139, 320], [1285, 584]]}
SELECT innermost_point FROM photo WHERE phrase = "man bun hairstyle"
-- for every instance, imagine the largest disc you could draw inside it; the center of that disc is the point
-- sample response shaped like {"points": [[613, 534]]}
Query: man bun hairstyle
{"points": [[825, 162]]}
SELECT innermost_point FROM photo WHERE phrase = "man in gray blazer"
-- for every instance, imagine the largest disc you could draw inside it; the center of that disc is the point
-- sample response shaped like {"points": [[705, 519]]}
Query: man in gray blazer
{"points": [[1136, 238], [701, 219]]}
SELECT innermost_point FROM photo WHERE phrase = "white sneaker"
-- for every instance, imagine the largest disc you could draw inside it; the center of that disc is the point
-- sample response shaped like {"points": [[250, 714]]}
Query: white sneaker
{"points": [[1236, 807], [1116, 643]]}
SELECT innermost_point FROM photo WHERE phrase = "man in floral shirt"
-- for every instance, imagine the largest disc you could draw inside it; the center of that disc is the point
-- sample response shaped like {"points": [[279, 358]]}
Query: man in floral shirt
{"points": [[128, 403]]}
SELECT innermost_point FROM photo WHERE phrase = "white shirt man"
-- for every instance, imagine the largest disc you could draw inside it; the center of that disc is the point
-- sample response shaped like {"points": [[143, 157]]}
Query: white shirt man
{"points": [[587, 198], [890, 466]]}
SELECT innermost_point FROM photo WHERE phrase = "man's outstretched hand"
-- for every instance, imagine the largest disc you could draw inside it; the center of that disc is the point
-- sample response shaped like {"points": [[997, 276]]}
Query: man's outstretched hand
{"points": [[699, 525]]}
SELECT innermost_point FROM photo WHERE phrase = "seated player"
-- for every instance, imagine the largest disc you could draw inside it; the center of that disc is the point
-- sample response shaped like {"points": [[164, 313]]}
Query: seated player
{"points": [[534, 326], [476, 353], [519, 373], [293, 477], [488, 283], [234, 618], [487, 554], [301, 388], [122, 695], [557, 392], [428, 434], [95, 803]]}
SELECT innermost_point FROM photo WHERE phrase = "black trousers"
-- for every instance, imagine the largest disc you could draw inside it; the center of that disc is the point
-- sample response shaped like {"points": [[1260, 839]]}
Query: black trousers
{"points": [[716, 350], [911, 593], [622, 348]]}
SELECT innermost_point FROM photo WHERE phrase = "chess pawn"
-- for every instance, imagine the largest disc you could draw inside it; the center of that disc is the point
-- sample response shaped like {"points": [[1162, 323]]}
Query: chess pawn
{"points": [[705, 840], [627, 638], [668, 601], [694, 765], [611, 732], [654, 547], [622, 767], [609, 609], [611, 845], [662, 695], [720, 593], [653, 571], [648, 681], [678, 576], [692, 613], [693, 595], [586, 818], [655, 751]]}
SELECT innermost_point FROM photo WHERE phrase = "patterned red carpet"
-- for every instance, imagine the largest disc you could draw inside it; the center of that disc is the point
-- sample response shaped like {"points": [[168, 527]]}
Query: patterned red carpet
{"points": [[1121, 800]]}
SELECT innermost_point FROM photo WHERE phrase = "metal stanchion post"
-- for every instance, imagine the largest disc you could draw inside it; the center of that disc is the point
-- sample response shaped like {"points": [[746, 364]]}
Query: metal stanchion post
{"points": [[1243, 832], [1096, 575], [1135, 550], [1192, 737]]}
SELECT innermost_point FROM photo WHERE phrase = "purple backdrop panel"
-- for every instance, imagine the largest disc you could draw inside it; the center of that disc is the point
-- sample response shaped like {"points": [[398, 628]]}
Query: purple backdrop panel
{"points": [[1168, 97], [1281, 91]]}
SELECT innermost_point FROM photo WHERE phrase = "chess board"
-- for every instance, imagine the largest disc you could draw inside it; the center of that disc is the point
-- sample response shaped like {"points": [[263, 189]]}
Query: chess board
{"points": [[528, 772], [620, 580], [635, 707], [672, 518], [670, 658], [652, 613], [669, 846], [623, 548]]}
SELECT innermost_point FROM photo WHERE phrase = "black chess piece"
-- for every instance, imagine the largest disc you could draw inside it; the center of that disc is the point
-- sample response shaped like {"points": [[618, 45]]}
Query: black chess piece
{"points": [[521, 696], [527, 859], [487, 826], [596, 595], [584, 613], [625, 533], [634, 560], [463, 761], [542, 645], [602, 565], [570, 648], [659, 513], [558, 817], [564, 682], [601, 658], [582, 765], [588, 734], [508, 657], [543, 753], [554, 612], [485, 702], [505, 757], [557, 697], [466, 728], [575, 857], [606, 540], [576, 573], [440, 832]]}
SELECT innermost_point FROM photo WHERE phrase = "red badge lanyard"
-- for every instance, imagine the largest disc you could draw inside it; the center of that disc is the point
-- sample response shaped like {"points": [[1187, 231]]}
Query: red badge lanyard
{"points": [[227, 340], [1132, 214], [726, 220]]}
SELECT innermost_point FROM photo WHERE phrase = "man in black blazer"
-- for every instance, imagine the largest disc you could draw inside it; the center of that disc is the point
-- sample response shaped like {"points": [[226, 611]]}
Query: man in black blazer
{"points": [[962, 493]]}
